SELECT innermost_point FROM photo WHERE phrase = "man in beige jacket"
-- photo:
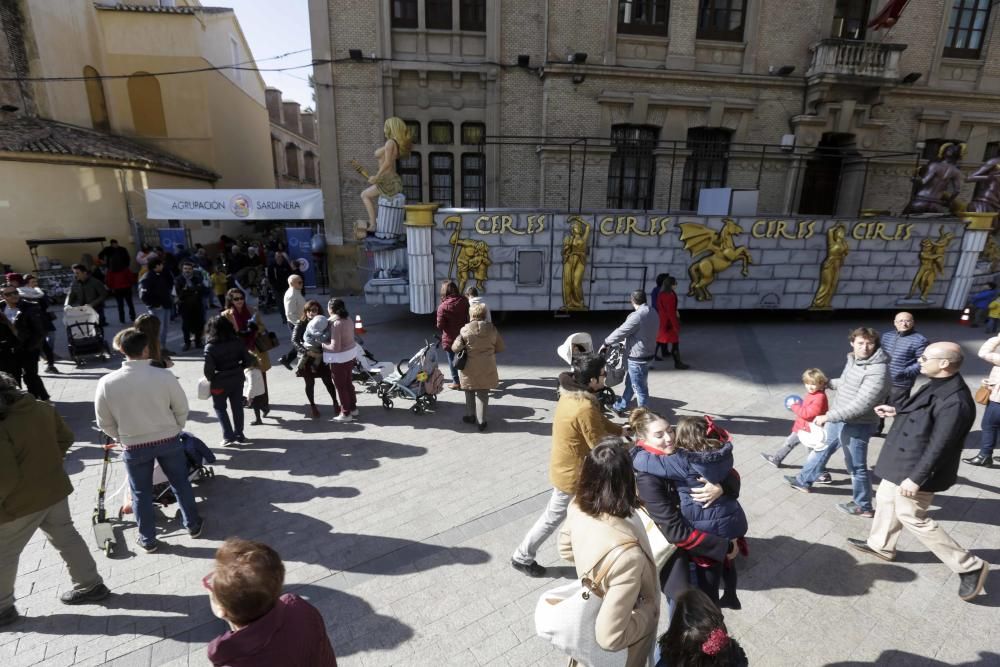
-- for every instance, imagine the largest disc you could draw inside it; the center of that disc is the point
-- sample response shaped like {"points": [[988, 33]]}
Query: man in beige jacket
{"points": [[577, 426]]}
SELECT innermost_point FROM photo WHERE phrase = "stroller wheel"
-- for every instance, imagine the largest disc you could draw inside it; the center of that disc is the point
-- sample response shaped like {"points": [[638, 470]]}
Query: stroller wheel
{"points": [[416, 408], [387, 403], [107, 548], [210, 472]]}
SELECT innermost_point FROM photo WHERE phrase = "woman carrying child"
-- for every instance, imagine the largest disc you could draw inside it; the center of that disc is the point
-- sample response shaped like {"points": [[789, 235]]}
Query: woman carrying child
{"points": [[654, 435], [812, 406], [703, 451], [311, 366], [339, 352]]}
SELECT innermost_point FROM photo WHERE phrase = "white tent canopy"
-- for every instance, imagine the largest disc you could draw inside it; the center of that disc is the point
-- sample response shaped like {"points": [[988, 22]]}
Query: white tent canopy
{"points": [[290, 204]]}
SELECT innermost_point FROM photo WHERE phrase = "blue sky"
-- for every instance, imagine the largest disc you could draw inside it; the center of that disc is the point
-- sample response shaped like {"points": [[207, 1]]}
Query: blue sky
{"points": [[275, 27]]}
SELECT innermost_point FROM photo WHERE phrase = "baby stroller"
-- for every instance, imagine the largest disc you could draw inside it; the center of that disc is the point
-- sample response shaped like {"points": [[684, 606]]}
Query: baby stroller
{"points": [[197, 454], [267, 298], [421, 382], [368, 371], [579, 344], [84, 334]]}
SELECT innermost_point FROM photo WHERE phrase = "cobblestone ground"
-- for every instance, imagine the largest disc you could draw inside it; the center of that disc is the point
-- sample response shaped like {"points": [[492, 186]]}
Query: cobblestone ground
{"points": [[399, 527]]}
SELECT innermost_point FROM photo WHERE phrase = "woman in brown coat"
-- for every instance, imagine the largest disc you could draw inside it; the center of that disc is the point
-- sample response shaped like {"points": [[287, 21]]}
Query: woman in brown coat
{"points": [[600, 519], [479, 376]]}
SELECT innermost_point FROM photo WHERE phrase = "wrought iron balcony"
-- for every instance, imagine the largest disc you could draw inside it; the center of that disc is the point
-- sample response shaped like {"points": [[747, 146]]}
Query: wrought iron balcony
{"points": [[851, 58]]}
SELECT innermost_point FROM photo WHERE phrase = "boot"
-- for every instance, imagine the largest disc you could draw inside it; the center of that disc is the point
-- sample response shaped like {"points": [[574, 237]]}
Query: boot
{"points": [[678, 364]]}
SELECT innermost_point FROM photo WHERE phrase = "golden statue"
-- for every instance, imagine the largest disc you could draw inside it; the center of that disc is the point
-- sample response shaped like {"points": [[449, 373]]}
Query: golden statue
{"points": [[574, 256], [991, 253], [931, 264], [721, 254], [829, 273], [470, 256], [385, 182]]}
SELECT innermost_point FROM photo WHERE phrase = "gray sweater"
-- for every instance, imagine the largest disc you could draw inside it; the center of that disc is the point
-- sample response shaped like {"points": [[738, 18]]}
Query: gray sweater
{"points": [[861, 386], [639, 333]]}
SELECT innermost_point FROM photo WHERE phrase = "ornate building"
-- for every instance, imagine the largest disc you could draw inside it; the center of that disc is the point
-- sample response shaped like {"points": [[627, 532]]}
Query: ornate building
{"points": [[294, 143]]}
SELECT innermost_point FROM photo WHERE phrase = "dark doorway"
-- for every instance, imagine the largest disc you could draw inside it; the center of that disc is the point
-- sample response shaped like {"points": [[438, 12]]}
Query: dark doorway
{"points": [[822, 179]]}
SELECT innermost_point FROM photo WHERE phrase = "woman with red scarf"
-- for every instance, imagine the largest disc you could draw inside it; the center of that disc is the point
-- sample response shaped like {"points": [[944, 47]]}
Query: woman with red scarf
{"points": [[244, 320]]}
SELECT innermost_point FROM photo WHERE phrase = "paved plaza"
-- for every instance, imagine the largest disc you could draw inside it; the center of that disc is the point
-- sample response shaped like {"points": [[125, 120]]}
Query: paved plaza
{"points": [[400, 527]]}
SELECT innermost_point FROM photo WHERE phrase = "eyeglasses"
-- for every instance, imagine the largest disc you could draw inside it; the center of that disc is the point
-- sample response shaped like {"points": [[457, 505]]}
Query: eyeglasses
{"points": [[923, 357], [206, 581]]}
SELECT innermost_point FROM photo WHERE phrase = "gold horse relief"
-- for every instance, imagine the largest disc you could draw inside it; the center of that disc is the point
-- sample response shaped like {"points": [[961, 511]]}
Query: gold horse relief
{"points": [[713, 252]]}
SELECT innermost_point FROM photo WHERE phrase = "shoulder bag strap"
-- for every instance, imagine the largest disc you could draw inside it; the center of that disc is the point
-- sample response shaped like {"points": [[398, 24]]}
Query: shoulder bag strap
{"points": [[610, 558]]}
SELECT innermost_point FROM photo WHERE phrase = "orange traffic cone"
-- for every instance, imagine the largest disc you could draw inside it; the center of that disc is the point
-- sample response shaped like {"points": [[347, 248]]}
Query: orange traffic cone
{"points": [[964, 320], [359, 326]]}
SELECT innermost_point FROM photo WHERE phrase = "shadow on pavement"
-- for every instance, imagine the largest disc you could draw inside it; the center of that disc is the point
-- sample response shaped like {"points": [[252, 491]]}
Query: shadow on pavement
{"points": [[904, 659]]}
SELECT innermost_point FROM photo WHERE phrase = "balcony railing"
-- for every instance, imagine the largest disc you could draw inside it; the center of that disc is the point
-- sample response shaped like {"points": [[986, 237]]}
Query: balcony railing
{"points": [[846, 57]]}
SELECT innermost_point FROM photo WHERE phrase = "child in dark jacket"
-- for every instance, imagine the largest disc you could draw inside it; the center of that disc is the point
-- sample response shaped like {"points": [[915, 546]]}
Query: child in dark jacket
{"points": [[703, 450], [813, 405]]}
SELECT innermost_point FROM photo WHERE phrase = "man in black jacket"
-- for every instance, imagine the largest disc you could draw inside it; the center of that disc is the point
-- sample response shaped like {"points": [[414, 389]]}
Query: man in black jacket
{"points": [[920, 458], [26, 320], [191, 291], [156, 291]]}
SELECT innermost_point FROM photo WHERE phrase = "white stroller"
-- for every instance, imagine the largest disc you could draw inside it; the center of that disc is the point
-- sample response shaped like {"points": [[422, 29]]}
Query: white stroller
{"points": [[579, 344], [84, 334], [421, 382]]}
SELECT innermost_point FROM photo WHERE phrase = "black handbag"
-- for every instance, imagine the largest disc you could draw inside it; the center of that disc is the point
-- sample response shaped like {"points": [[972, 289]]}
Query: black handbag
{"points": [[461, 358]]}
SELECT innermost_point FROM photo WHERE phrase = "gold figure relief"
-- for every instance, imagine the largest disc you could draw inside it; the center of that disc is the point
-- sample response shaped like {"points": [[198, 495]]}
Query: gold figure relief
{"points": [[991, 253], [574, 256], [713, 252], [468, 256], [931, 264], [829, 273]]}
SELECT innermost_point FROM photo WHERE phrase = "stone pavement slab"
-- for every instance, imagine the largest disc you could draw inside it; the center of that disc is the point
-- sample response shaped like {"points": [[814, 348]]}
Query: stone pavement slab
{"points": [[399, 527]]}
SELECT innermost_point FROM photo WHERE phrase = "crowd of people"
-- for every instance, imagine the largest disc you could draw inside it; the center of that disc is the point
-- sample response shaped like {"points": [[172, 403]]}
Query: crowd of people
{"points": [[644, 507]]}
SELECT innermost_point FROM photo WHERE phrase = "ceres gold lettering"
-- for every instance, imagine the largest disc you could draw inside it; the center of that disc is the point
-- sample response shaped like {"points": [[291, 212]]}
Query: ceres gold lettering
{"points": [[783, 229], [613, 225], [867, 231], [504, 224]]}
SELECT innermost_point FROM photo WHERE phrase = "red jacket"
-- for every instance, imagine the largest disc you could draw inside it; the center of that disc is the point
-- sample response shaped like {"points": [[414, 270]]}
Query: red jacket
{"points": [[812, 406], [452, 315], [670, 325]]}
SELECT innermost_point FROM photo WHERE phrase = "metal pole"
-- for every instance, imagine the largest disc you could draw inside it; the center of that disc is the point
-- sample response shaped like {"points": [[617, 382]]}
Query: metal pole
{"points": [[583, 177], [760, 166], [569, 185], [673, 166]]}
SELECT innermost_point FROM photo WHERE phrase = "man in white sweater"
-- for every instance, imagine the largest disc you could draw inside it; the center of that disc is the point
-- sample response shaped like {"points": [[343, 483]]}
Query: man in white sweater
{"points": [[294, 303], [144, 409]]}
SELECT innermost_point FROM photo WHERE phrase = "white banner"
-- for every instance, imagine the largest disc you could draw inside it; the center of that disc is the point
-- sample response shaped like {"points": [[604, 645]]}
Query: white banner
{"points": [[290, 204]]}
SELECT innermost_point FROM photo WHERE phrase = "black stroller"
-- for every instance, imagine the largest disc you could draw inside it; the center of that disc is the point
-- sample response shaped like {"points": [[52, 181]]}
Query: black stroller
{"points": [[84, 334]]}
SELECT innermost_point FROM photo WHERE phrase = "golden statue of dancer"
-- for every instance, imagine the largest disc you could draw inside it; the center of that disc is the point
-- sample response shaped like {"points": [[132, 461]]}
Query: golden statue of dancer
{"points": [[469, 256], [931, 264], [829, 273], [574, 257], [386, 182]]}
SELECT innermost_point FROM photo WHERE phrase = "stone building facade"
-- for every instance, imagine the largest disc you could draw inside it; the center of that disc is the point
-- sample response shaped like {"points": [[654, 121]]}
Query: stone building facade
{"points": [[800, 100], [294, 142]]}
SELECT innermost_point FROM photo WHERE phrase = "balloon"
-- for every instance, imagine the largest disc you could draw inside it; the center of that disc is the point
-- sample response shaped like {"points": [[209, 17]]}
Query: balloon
{"points": [[791, 400]]}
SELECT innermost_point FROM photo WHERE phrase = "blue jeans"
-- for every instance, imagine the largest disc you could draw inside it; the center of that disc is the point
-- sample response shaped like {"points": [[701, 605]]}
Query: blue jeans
{"points": [[139, 464], [636, 383], [234, 399], [991, 429], [451, 366], [853, 439], [164, 315]]}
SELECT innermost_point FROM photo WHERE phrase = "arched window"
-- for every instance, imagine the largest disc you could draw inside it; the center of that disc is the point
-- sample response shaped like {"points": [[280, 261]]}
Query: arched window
{"points": [[147, 105], [96, 100], [292, 160], [309, 167]]}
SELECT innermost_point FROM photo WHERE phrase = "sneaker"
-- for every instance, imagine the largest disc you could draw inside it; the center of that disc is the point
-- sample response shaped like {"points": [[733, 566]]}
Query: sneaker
{"points": [[354, 412], [229, 443], [256, 422], [854, 510], [242, 439], [863, 547], [196, 531], [454, 385], [149, 548], [54, 371], [343, 418], [482, 427], [771, 459], [532, 569], [286, 363], [824, 478], [9, 616], [971, 583], [793, 481], [95, 594]]}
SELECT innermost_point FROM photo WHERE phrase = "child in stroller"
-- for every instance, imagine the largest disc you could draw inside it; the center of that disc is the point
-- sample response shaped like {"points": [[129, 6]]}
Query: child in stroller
{"points": [[84, 334], [197, 454], [421, 382], [367, 370]]}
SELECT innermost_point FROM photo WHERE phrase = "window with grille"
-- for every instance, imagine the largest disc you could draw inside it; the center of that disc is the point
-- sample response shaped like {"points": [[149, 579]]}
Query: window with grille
{"points": [[473, 179], [414, 127], [472, 133], [437, 14], [721, 19], [966, 28], [632, 169], [442, 169], [931, 148], [440, 132], [643, 17], [404, 13], [992, 150], [706, 164], [850, 18], [411, 172], [292, 160], [472, 15]]}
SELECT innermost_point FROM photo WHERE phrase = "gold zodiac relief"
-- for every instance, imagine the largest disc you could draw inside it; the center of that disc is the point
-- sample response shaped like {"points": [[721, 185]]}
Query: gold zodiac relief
{"points": [[469, 256], [829, 273], [574, 257], [931, 264], [713, 252]]}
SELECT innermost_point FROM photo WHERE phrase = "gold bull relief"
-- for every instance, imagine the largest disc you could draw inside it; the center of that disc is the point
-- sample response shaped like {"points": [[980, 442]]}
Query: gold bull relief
{"points": [[713, 252], [931, 264]]}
